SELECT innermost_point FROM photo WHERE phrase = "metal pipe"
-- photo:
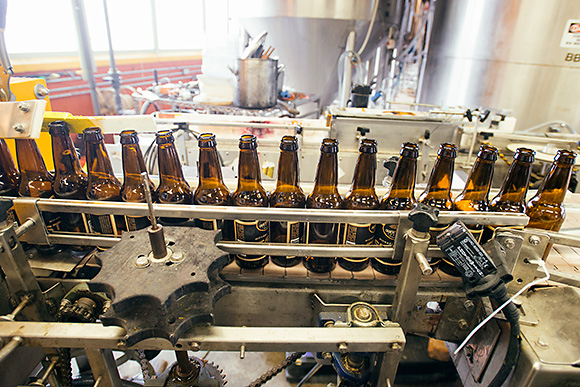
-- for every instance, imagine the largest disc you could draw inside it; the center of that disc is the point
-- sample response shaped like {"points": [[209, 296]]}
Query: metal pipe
{"points": [[310, 374], [46, 374], [10, 347], [113, 71], [86, 52], [346, 77], [147, 190], [21, 230], [246, 124], [272, 214], [10, 317]]}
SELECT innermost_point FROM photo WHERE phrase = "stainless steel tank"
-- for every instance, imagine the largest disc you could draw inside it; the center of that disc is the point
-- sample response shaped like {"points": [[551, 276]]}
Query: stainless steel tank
{"points": [[506, 54]]}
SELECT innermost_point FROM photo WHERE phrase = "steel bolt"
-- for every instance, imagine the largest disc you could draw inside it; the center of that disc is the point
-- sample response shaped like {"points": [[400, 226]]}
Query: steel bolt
{"points": [[362, 313], [462, 324], [469, 305], [121, 344], [18, 127], [342, 348], [326, 355], [509, 243], [194, 346], [25, 107], [142, 262], [534, 240], [396, 347]]}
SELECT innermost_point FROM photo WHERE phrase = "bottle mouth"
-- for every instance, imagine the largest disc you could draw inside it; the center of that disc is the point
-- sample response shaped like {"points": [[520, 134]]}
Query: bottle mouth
{"points": [[368, 145], [447, 149], [525, 155], [129, 136], [93, 133], [248, 141], [487, 152], [565, 157], [410, 149], [58, 127], [206, 140], [329, 145], [289, 143], [164, 136]]}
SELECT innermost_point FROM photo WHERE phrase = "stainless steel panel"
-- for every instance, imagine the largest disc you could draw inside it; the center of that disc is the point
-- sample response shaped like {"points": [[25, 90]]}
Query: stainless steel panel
{"points": [[504, 55]]}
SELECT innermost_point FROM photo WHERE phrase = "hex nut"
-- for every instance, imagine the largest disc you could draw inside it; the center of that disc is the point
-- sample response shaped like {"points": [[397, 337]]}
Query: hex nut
{"points": [[509, 244], [468, 305], [342, 348], [462, 324], [194, 346], [18, 127], [24, 107]]}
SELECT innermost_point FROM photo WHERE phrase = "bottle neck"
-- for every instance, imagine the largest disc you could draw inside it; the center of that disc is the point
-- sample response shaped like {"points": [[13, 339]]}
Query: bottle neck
{"points": [[439, 184], [403, 184], [515, 186], [365, 172], [169, 165], [133, 164], [66, 162], [479, 181], [554, 187], [327, 174], [249, 174], [209, 170], [30, 160], [288, 171], [98, 161]]}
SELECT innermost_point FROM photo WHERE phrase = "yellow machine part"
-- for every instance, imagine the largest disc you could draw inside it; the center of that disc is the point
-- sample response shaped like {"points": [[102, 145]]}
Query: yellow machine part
{"points": [[23, 89]]}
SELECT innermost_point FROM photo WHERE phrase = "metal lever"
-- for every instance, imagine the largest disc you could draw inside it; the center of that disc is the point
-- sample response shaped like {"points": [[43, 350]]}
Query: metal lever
{"points": [[156, 234]]}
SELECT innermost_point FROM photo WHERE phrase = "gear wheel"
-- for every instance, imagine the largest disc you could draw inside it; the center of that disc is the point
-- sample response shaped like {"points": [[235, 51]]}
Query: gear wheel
{"points": [[210, 375], [162, 298]]}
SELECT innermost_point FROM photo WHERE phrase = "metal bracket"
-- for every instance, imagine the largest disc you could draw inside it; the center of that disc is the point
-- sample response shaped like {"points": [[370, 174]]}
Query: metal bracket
{"points": [[22, 119], [26, 208]]}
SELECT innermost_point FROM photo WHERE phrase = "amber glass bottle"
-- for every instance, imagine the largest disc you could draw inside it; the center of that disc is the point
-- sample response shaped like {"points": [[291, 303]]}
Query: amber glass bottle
{"points": [[474, 196], [512, 194], [325, 195], [545, 209], [103, 185], [250, 193], [132, 189], [400, 197], [287, 194], [9, 178], [361, 196], [9, 174], [35, 180], [70, 181], [173, 188], [438, 190], [211, 190]]}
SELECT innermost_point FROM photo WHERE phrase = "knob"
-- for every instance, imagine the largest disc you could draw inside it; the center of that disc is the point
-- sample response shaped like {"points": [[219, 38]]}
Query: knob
{"points": [[423, 217]]}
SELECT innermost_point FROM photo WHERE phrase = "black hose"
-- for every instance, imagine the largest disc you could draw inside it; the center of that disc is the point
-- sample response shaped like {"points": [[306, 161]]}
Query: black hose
{"points": [[514, 346]]}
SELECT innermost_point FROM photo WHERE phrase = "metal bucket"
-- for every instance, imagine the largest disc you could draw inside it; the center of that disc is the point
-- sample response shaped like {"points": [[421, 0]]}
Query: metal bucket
{"points": [[256, 83]]}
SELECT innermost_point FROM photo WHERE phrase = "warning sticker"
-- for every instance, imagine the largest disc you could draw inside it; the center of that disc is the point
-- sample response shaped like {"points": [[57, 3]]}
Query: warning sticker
{"points": [[571, 35]]}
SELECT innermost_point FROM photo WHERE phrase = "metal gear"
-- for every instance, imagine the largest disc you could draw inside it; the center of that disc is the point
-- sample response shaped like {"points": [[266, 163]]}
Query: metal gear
{"points": [[210, 375]]}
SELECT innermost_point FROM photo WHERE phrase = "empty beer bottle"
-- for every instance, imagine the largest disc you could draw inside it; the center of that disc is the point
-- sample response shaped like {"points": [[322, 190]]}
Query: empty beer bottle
{"points": [[438, 190], [250, 193], [400, 197], [103, 185], [325, 195], [545, 209], [361, 196], [9, 174], [132, 189], [35, 180], [173, 188], [287, 194], [9, 178], [474, 196], [512, 194], [211, 190], [70, 181]]}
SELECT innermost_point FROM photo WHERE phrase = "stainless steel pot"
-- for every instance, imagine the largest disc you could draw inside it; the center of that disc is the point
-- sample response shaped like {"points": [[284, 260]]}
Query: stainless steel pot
{"points": [[256, 83]]}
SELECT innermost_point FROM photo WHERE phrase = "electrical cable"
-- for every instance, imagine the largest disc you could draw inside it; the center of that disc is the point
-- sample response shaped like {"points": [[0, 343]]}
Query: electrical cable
{"points": [[538, 281], [368, 35]]}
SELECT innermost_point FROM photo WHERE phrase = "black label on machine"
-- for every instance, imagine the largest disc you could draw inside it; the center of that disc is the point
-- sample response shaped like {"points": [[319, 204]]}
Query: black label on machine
{"points": [[460, 246], [104, 224], [385, 234], [251, 231], [134, 223]]}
